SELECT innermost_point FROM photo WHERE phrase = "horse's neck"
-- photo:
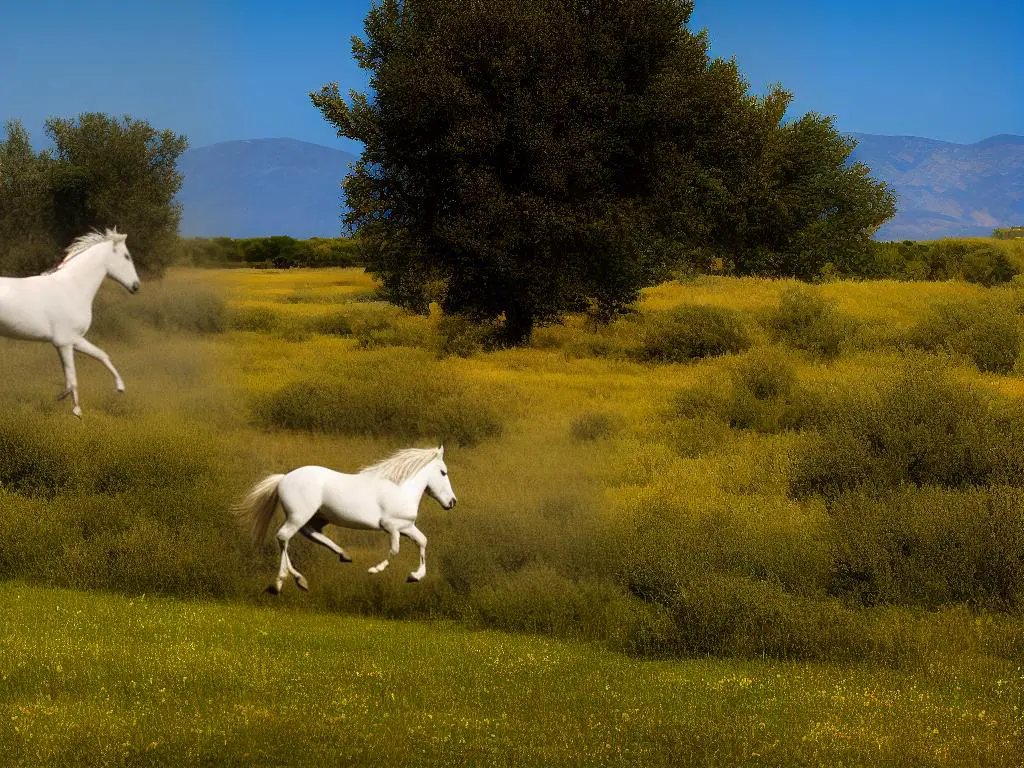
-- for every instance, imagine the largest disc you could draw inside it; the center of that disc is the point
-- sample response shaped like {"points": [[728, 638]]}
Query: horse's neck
{"points": [[417, 484], [85, 272]]}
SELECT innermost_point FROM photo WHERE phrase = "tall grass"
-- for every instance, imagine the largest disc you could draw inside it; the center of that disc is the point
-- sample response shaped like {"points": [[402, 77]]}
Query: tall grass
{"points": [[660, 509]]}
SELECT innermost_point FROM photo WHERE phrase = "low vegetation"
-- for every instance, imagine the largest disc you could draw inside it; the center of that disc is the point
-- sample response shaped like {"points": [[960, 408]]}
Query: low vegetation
{"points": [[777, 496]]}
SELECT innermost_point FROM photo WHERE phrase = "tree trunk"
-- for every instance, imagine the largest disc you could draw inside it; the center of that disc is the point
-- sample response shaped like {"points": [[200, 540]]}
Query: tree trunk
{"points": [[518, 326]]}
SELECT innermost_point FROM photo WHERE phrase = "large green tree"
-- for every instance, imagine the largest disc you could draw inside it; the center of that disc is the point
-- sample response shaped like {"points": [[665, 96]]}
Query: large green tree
{"points": [[524, 159], [102, 172]]}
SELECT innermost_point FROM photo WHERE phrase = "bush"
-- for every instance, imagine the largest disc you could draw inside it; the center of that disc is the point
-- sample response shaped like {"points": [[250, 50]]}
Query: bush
{"points": [[180, 307], [922, 428], [257, 319], [337, 324], [930, 547], [380, 330], [693, 331], [986, 332], [761, 393], [986, 262], [592, 426], [460, 336], [137, 507], [402, 397], [806, 321]]}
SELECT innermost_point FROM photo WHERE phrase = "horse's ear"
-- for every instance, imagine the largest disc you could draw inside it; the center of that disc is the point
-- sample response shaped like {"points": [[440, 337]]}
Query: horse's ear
{"points": [[440, 451]]}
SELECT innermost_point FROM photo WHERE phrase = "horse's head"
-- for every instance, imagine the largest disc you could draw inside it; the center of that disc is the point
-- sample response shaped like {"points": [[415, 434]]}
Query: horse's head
{"points": [[438, 484], [119, 262]]}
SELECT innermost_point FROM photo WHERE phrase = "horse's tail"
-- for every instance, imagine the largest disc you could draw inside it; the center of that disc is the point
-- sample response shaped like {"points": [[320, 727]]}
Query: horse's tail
{"points": [[259, 506]]}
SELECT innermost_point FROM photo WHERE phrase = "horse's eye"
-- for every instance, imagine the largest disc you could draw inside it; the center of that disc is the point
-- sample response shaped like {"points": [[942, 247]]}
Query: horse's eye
{"points": [[128, 257], [443, 473]]}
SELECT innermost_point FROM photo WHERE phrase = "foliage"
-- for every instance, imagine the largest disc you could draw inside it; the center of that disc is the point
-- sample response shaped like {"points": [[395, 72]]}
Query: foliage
{"points": [[921, 428], [806, 321], [279, 251], [930, 547], [987, 332], [1008, 233], [761, 393], [103, 172], [581, 157], [693, 331], [403, 397], [986, 262]]}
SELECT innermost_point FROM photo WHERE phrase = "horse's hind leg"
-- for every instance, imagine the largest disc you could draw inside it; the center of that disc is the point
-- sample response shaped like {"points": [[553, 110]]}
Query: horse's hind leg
{"points": [[93, 351], [67, 360], [284, 535], [313, 530]]}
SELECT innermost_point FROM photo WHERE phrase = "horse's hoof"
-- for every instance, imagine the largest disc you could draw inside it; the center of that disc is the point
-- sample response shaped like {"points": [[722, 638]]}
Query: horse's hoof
{"points": [[411, 579], [302, 583], [344, 558], [120, 390], [273, 589], [77, 411]]}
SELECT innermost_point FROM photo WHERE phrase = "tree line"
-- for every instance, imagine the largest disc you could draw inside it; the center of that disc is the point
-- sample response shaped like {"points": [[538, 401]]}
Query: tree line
{"points": [[101, 172]]}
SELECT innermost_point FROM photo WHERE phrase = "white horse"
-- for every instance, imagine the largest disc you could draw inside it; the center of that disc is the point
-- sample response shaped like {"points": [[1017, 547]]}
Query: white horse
{"points": [[382, 497], [56, 306]]}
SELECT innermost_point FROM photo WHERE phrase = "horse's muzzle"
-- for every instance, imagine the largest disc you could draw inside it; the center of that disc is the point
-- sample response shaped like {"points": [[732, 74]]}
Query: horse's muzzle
{"points": [[134, 287], [451, 504]]}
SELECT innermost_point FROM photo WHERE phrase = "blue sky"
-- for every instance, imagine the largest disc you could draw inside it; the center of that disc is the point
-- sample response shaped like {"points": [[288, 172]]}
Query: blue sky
{"points": [[217, 70]]}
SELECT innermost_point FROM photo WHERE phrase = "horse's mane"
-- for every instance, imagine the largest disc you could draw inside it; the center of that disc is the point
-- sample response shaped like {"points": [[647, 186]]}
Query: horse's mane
{"points": [[87, 241], [403, 464]]}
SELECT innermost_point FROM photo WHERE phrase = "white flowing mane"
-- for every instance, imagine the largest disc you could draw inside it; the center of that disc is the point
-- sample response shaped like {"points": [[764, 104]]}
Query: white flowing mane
{"points": [[403, 464], [87, 241]]}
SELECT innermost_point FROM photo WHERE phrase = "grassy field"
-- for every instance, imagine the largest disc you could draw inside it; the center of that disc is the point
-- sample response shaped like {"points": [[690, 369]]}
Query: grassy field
{"points": [[748, 502], [91, 679]]}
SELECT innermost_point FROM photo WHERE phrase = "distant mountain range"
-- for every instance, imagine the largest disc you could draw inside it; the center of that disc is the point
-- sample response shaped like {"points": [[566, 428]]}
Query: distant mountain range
{"points": [[947, 189], [261, 187]]}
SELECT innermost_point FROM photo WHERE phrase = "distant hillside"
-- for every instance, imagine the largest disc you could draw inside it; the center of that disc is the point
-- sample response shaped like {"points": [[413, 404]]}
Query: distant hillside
{"points": [[947, 189], [260, 187], [264, 187]]}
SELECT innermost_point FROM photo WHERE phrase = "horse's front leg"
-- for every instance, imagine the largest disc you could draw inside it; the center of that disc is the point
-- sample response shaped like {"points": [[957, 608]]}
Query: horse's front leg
{"points": [[93, 351], [393, 552], [67, 360], [420, 540]]}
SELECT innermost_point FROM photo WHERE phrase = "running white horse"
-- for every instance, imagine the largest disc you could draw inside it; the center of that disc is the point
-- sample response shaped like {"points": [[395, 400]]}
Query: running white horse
{"points": [[382, 497], [56, 306]]}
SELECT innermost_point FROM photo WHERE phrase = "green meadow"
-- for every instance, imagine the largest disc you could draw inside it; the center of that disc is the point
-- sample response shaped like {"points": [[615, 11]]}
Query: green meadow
{"points": [[753, 522]]}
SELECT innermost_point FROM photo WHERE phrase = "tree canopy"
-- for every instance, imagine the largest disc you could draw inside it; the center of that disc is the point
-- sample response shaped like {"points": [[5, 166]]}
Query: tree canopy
{"points": [[102, 172], [526, 159]]}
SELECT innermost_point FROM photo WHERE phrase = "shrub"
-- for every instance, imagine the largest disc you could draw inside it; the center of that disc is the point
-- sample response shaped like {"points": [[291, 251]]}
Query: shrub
{"points": [[592, 426], [986, 332], [460, 336], [929, 547], [805, 321], [923, 428], [693, 331], [336, 324], [258, 319], [180, 307], [761, 393], [376, 330], [406, 397]]}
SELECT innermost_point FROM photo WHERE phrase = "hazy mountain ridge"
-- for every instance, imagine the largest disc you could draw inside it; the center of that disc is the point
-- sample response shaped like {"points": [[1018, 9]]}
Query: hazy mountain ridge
{"points": [[260, 187], [947, 189]]}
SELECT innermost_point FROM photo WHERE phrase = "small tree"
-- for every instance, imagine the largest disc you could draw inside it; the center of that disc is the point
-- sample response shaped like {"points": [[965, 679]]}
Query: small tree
{"points": [[123, 173], [27, 243]]}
